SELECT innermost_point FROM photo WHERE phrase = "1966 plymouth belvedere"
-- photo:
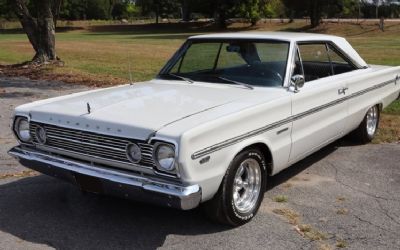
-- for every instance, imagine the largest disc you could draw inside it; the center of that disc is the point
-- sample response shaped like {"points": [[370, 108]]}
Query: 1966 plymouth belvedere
{"points": [[226, 112]]}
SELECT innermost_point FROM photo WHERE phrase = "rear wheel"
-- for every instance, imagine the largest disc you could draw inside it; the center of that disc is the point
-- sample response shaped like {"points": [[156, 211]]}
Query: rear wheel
{"points": [[368, 127], [241, 191]]}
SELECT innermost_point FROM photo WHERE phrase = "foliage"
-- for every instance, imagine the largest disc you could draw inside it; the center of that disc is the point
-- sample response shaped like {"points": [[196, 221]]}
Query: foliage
{"points": [[272, 8], [252, 10], [162, 8], [249, 9]]}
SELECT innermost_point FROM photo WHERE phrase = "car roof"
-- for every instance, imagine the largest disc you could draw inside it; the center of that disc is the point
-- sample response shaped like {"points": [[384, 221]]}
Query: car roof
{"points": [[340, 42], [284, 36]]}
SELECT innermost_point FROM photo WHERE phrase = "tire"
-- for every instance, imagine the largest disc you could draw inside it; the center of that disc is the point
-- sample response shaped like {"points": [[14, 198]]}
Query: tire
{"points": [[236, 202], [366, 131]]}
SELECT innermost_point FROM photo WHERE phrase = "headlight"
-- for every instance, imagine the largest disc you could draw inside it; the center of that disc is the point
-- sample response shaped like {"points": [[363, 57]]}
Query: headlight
{"points": [[21, 128], [133, 152], [165, 157]]}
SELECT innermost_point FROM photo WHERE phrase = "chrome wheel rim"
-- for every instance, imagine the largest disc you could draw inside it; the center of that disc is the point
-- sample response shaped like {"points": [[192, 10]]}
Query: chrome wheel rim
{"points": [[247, 185], [372, 120]]}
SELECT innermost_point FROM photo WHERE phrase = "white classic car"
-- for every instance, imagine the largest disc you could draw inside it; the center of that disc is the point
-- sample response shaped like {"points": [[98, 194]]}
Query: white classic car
{"points": [[225, 113]]}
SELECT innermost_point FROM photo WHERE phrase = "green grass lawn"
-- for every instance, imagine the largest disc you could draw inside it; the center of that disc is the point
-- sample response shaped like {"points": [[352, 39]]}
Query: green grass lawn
{"points": [[104, 52]]}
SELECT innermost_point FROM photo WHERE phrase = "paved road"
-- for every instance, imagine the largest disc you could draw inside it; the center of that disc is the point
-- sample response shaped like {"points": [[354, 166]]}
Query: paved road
{"points": [[344, 195]]}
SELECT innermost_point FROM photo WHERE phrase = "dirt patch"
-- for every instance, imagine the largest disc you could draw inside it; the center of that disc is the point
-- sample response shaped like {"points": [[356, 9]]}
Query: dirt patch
{"points": [[47, 73], [307, 179], [290, 215], [294, 218], [389, 129], [26, 173]]}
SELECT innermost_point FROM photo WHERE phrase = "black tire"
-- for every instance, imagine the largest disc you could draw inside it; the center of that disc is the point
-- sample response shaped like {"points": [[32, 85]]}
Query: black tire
{"points": [[222, 207], [361, 134]]}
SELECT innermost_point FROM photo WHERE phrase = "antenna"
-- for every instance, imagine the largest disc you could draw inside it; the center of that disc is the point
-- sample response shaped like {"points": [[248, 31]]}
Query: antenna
{"points": [[130, 70]]}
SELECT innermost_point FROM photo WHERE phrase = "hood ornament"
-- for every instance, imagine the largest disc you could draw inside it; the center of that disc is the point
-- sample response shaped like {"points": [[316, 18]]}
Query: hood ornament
{"points": [[88, 107]]}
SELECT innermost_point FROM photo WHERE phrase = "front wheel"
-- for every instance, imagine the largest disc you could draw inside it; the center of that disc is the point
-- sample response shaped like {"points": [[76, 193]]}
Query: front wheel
{"points": [[368, 127], [241, 191]]}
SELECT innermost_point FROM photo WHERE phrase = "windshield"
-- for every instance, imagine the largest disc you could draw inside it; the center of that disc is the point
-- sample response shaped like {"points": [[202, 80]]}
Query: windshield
{"points": [[253, 63]]}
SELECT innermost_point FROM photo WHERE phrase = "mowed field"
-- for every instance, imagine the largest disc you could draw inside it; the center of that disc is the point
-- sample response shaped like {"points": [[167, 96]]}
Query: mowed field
{"points": [[102, 54]]}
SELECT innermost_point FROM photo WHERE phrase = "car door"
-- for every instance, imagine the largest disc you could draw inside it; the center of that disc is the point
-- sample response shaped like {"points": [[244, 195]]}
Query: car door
{"points": [[318, 109]]}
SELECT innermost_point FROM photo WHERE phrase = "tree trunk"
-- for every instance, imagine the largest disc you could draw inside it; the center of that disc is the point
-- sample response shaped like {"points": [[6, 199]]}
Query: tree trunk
{"points": [[221, 14], [110, 8], [40, 32], [157, 13], [315, 13], [253, 22], [28, 22], [46, 30], [56, 10], [221, 19], [185, 11]]}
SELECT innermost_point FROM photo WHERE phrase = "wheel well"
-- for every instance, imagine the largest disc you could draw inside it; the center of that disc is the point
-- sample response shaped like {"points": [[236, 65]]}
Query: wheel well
{"points": [[266, 153], [380, 105]]}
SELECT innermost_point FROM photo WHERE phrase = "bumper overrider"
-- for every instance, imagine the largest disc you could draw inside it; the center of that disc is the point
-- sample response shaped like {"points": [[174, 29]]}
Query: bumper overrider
{"points": [[108, 181]]}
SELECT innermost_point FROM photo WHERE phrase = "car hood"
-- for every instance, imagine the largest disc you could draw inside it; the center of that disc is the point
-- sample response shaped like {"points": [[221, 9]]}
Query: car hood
{"points": [[135, 111]]}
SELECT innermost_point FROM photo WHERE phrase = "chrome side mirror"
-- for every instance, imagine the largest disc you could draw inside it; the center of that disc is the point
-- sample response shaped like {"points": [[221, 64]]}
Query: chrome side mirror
{"points": [[297, 82]]}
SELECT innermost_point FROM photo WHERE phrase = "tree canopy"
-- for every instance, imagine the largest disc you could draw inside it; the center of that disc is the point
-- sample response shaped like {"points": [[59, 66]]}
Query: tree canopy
{"points": [[252, 10]]}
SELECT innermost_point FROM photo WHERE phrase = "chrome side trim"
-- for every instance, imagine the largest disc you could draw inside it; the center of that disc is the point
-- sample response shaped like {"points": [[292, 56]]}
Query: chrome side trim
{"points": [[237, 139]]}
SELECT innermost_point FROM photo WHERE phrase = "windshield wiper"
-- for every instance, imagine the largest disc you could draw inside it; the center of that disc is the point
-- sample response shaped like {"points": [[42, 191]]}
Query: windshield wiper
{"points": [[180, 77], [236, 82]]}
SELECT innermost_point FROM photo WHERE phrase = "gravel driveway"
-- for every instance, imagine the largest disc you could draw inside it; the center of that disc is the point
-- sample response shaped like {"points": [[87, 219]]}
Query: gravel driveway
{"points": [[342, 196]]}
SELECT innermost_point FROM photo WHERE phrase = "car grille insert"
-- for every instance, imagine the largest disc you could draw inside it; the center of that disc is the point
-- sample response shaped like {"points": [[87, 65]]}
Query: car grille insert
{"points": [[92, 144]]}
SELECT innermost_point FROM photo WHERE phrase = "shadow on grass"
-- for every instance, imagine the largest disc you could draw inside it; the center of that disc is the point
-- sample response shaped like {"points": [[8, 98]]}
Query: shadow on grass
{"points": [[157, 31], [147, 36], [21, 31], [160, 31], [306, 28]]}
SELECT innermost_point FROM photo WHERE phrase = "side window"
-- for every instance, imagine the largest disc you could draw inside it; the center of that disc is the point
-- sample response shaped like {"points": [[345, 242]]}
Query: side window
{"points": [[297, 67], [339, 64], [316, 63]]}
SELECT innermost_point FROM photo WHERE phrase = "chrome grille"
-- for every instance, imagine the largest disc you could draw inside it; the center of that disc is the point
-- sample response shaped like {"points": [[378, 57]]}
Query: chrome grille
{"points": [[92, 144]]}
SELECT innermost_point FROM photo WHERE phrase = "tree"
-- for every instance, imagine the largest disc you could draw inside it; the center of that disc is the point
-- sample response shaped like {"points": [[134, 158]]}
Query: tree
{"points": [[222, 8], [185, 10], [160, 8], [40, 30], [249, 9], [313, 8], [272, 8]]}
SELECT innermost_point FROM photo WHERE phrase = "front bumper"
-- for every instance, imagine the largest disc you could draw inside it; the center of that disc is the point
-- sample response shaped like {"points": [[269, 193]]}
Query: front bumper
{"points": [[109, 181]]}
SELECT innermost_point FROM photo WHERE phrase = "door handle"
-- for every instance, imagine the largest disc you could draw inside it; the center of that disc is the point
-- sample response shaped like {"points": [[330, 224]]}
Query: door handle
{"points": [[342, 91]]}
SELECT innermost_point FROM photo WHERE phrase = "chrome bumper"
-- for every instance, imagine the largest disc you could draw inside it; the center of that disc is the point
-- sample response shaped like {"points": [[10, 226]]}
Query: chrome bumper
{"points": [[108, 181]]}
